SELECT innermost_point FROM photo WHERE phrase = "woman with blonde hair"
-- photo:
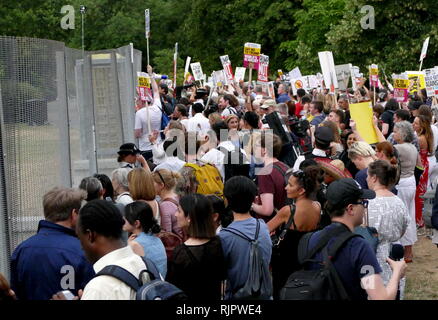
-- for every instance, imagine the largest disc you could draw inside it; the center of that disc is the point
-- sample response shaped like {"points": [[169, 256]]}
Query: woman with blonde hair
{"points": [[141, 187], [361, 154], [165, 183], [214, 117], [232, 122]]}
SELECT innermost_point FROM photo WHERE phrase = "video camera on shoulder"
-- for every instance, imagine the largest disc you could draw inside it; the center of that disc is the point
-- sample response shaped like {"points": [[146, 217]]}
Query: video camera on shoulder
{"points": [[298, 127]]}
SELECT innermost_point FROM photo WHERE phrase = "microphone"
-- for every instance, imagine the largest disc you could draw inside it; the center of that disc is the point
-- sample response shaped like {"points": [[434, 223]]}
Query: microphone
{"points": [[397, 252]]}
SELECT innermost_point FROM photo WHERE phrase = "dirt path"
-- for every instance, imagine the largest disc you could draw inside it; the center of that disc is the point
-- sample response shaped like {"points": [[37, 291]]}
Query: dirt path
{"points": [[422, 274]]}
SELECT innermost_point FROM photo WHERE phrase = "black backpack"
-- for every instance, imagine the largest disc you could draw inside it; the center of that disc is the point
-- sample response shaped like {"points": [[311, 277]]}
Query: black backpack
{"points": [[258, 285], [155, 289], [235, 163], [323, 283]]}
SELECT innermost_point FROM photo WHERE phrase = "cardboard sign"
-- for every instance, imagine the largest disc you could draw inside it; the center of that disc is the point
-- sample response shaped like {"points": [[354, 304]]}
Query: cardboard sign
{"points": [[328, 70], [197, 71], [219, 78], [240, 74], [147, 23], [401, 85], [362, 114], [431, 79], [416, 80], [374, 75], [251, 54], [144, 86], [226, 63], [424, 49], [263, 68], [343, 74], [355, 77], [295, 73]]}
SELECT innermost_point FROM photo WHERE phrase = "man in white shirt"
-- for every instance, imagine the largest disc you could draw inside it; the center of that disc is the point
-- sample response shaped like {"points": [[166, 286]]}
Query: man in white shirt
{"points": [[171, 161], [198, 123], [99, 229], [147, 120], [227, 106]]}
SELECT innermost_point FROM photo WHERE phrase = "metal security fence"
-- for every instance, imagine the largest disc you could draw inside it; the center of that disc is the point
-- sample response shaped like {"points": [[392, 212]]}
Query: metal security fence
{"points": [[63, 116]]}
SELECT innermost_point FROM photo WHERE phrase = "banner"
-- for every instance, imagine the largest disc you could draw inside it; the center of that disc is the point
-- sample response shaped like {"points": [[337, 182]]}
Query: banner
{"points": [[263, 68], [416, 81], [197, 71], [226, 64], [147, 23], [374, 75], [251, 54], [362, 114], [431, 80], [401, 85], [144, 86], [343, 75], [424, 49], [328, 70]]}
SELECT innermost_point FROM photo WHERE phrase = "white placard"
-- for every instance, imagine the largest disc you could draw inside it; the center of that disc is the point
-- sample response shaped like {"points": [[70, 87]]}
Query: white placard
{"points": [[424, 49], [343, 75], [328, 69], [197, 71], [239, 75], [295, 73], [147, 22]]}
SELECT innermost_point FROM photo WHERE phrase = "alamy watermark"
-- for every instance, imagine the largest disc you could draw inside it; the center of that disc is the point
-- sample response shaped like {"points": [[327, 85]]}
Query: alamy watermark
{"points": [[368, 21], [68, 20]]}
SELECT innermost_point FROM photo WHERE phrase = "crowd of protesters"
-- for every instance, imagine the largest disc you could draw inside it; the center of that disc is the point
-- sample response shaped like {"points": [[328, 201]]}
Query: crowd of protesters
{"points": [[233, 164]]}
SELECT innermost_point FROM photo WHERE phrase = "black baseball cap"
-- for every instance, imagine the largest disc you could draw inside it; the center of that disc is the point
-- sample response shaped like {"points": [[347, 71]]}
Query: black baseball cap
{"points": [[415, 105], [128, 148], [343, 192], [324, 136]]}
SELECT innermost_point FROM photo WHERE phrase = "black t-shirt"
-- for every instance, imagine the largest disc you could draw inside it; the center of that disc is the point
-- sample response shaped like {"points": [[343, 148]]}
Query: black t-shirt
{"points": [[388, 118], [198, 270], [347, 119]]}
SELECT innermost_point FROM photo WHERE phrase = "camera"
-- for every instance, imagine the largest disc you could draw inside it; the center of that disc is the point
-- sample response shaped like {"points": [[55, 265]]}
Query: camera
{"points": [[298, 127]]}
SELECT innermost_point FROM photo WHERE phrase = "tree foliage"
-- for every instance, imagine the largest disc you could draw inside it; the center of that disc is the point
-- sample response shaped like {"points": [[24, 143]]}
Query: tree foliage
{"points": [[290, 32]]}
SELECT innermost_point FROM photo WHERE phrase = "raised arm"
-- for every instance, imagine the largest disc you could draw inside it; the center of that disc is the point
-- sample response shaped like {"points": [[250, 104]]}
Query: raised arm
{"points": [[154, 85]]}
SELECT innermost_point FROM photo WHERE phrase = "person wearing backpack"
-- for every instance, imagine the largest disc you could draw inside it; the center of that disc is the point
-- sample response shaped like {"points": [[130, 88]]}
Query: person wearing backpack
{"points": [[99, 230], [246, 245], [198, 176], [270, 179], [338, 264], [198, 266]]}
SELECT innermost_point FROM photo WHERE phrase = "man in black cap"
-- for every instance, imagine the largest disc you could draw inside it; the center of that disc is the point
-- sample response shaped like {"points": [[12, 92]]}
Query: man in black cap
{"points": [[413, 107], [323, 137], [355, 262], [129, 154]]}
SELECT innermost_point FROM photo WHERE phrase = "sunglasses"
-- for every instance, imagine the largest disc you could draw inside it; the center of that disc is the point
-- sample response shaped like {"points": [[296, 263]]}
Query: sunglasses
{"points": [[363, 202]]}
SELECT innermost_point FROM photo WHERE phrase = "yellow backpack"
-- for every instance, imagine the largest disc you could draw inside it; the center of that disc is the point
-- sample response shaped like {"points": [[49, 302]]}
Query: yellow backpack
{"points": [[208, 178]]}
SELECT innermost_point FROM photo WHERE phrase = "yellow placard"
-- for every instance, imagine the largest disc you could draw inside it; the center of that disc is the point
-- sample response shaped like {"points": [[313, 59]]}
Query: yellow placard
{"points": [[252, 51], [144, 82], [362, 114], [413, 79], [401, 83], [374, 72]]}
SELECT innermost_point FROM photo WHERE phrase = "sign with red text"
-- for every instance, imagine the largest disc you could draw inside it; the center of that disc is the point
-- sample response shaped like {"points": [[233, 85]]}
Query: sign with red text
{"points": [[263, 68], [226, 63], [251, 55]]}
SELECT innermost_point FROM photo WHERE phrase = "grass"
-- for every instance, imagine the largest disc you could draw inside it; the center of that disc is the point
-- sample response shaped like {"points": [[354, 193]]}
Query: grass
{"points": [[422, 274]]}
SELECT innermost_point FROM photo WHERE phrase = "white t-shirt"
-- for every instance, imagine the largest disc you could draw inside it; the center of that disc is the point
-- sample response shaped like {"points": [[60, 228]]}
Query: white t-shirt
{"points": [[142, 123], [198, 123], [228, 111]]}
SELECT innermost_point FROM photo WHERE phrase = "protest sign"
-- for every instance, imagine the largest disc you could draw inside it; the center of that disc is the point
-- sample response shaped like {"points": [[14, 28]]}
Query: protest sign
{"points": [[416, 81], [362, 114], [424, 49], [296, 84], [431, 80], [271, 91], [143, 85], [343, 75], [401, 85], [197, 71], [355, 77], [147, 20], [281, 74], [295, 73], [186, 69], [263, 68], [226, 64], [374, 75], [328, 70], [219, 78], [251, 55], [240, 74]]}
